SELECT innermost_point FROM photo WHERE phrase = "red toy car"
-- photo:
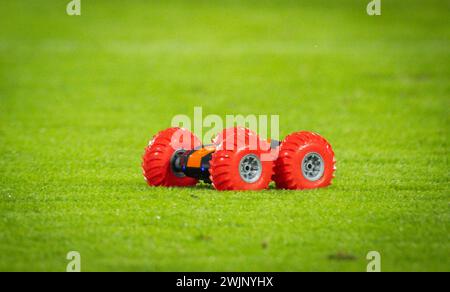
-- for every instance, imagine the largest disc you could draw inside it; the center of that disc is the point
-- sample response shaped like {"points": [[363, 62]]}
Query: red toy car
{"points": [[238, 159]]}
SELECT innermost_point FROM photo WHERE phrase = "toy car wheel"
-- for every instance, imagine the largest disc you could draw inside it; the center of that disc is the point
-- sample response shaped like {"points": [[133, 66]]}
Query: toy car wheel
{"points": [[240, 167], [306, 160], [160, 153], [233, 131]]}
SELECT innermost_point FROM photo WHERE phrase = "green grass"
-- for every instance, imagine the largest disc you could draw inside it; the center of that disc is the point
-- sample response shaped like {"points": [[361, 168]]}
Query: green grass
{"points": [[81, 96]]}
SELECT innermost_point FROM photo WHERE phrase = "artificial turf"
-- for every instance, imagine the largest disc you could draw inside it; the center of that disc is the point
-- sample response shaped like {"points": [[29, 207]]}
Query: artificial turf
{"points": [[81, 96]]}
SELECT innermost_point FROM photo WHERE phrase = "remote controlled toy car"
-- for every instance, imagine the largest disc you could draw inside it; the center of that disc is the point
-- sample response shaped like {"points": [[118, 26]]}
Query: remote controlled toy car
{"points": [[238, 159]]}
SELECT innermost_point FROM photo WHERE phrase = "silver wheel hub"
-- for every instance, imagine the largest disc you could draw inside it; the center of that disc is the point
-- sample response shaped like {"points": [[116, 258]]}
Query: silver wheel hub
{"points": [[313, 166], [250, 168]]}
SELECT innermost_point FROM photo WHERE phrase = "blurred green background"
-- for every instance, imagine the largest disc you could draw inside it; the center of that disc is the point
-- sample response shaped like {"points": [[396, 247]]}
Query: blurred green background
{"points": [[80, 96]]}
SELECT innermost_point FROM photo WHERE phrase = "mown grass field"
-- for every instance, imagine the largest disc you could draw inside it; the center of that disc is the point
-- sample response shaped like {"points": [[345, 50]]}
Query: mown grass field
{"points": [[81, 96]]}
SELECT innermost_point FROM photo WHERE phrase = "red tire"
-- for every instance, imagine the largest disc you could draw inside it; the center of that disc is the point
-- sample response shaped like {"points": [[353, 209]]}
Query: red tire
{"points": [[156, 165], [238, 165], [306, 161], [234, 131]]}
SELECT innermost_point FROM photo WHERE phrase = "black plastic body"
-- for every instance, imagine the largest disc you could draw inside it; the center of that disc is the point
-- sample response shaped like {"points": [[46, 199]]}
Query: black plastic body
{"points": [[181, 159]]}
